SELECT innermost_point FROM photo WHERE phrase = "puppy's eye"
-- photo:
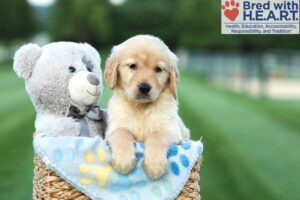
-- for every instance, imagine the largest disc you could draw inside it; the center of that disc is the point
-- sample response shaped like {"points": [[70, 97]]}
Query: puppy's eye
{"points": [[158, 69], [132, 66], [72, 69]]}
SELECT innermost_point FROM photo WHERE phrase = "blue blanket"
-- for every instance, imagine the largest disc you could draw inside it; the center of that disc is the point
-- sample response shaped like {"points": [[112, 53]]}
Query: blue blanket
{"points": [[85, 163]]}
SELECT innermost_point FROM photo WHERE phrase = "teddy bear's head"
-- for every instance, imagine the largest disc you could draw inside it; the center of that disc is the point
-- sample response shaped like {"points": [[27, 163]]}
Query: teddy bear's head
{"points": [[60, 74]]}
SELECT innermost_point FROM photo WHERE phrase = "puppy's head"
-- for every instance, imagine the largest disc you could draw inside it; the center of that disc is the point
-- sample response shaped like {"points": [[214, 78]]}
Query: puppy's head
{"points": [[142, 67]]}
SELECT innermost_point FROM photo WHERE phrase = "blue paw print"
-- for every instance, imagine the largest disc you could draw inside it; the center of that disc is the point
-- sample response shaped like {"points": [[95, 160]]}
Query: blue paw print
{"points": [[78, 143], [123, 184], [186, 146], [174, 168], [70, 154], [139, 156], [142, 145], [140, 183], [137, 172], [173, 151], [57, 155], [184, 160]]}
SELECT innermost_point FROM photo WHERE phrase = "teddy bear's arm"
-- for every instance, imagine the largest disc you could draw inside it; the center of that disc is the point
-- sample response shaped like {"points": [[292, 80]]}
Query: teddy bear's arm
{"points": [[57, 125]]}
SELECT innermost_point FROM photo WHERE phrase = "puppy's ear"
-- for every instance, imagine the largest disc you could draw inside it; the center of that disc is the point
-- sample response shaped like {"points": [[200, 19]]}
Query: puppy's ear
{"points": [[111, 69], [174, 75], [25, 59]]}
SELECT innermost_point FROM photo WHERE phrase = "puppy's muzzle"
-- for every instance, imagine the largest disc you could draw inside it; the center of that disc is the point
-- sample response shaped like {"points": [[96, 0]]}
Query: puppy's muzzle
{"points": [[144, 88]]}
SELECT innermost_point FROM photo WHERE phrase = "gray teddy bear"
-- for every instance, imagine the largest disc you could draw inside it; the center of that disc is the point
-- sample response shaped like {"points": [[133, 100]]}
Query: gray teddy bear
{"points": [[63, 80]]}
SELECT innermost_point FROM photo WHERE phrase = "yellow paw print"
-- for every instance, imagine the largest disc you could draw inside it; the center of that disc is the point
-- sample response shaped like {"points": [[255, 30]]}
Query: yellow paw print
{"points": [[90, 168]]}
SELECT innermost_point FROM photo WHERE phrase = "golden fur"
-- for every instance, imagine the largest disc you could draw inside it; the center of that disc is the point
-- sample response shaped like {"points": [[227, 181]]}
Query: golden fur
{"points": [[152, 119]]}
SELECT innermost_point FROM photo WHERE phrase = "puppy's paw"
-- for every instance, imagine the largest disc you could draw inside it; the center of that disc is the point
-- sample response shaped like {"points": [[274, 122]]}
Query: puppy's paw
{"points": [[155, 165], [123, 160]]}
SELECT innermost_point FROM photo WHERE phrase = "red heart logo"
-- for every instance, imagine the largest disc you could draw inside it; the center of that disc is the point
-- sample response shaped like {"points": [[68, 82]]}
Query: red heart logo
{"points": [[231, 14]]}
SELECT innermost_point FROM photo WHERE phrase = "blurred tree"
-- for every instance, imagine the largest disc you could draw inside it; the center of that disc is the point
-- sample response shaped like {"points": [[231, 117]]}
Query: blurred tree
{"points": [[198, 24], [194, 24], [17, 20], [81, 20], [156, 17]]}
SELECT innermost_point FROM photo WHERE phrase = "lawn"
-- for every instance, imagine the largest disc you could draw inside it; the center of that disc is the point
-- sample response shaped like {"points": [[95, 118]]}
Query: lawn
{"points": [[251, 146]]}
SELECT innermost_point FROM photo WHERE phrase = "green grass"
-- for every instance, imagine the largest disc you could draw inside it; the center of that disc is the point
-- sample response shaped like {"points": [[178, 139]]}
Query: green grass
{"points": [[251, 146], [16, 128]]}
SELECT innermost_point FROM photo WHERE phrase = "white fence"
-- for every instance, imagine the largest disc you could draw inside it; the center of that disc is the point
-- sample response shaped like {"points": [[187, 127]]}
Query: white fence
{"points": [[269, 74]]}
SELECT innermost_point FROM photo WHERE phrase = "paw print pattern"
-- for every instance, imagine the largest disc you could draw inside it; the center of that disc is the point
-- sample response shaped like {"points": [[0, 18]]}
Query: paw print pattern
{"points": [[134, 178], [231, 10], [58, 155], [95, 170], [124, 183], [165, 187], [89, 169], [184, 160], [173, 151]]}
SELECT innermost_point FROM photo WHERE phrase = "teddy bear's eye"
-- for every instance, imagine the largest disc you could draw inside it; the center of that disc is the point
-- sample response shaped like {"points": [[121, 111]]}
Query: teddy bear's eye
{"points": [[158, 69], [89, 69], [72, 69]]}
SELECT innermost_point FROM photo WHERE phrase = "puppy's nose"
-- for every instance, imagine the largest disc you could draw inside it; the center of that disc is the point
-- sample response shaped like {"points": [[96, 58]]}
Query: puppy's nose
{"points": [[144, 88], [92, 79]]}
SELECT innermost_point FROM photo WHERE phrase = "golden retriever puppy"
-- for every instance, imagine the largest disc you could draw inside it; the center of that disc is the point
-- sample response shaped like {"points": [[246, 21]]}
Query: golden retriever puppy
{"points": [[142, 72]]}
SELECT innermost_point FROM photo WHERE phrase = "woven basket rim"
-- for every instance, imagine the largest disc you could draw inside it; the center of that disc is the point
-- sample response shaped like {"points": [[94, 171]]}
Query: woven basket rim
{"points": [[48, 185]]}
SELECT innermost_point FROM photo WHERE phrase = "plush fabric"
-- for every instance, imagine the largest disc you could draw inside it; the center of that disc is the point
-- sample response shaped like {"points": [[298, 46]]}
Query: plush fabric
{"points": [[85, 163], [59, 75]]}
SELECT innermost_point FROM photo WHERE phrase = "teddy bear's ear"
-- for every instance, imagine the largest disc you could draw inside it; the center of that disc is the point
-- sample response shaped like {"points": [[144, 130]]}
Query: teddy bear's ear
{"points": [[92, 51], [25, 59]]}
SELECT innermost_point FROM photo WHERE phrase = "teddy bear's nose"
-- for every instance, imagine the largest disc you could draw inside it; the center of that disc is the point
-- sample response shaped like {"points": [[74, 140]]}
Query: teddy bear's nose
{"points": [[92, 79]]}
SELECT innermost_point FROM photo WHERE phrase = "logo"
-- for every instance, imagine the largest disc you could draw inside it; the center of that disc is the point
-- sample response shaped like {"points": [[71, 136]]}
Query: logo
{"points": [[260, 16], [231, 10]]}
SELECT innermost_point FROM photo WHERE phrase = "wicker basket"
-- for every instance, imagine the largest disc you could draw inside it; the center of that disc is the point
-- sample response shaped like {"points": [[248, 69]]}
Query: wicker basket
{"points": [[47, 185]]}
